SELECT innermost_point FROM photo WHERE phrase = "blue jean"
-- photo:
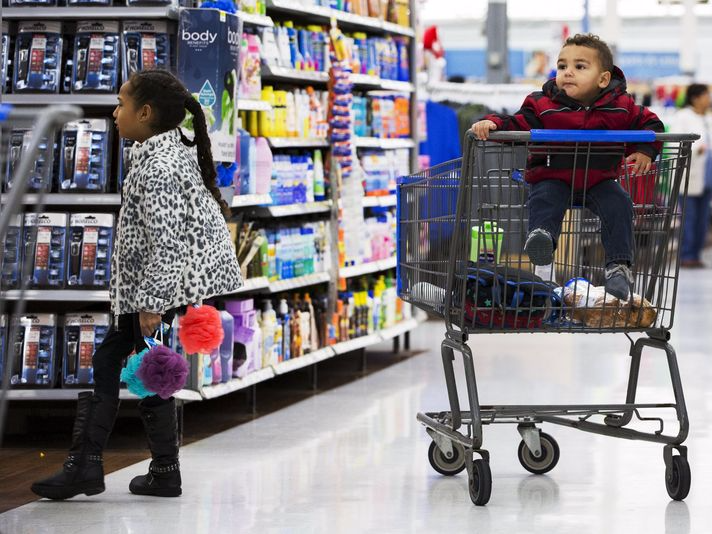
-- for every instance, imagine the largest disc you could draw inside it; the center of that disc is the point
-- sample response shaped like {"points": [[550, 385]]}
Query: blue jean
{"points": [[694, 229], [549, 200]]}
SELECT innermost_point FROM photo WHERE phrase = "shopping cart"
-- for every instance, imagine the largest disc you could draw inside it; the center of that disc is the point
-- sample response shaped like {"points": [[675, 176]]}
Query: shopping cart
{"points": [[461, 232], [27, 147]]}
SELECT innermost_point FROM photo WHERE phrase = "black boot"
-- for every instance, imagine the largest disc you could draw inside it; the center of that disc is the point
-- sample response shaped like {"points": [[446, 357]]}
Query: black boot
{"points": [[83, 470], [163, 477]]}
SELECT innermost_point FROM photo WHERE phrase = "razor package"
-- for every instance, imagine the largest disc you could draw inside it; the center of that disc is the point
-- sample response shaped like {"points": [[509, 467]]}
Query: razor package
{"points": [[91, 240], [34, 350], [12, 255], [4, 56], [85, 162], [38, 57], [96, 57], [18, 143], [82, 334], [145, 46], [45, 237]]}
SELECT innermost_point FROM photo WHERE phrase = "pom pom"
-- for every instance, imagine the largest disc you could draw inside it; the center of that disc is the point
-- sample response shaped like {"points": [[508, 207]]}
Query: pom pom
{"points": [[200, 330], [163, 371], [129, 375]]}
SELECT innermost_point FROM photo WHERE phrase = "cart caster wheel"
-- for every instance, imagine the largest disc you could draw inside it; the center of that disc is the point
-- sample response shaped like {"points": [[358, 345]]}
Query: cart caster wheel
{"points": [[444, 465], [678, 478], [546, 461], [480, 482]]}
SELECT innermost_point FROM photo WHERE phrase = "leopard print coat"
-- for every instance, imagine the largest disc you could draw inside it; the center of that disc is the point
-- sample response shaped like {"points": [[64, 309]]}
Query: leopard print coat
{"points": [[172, 246]]}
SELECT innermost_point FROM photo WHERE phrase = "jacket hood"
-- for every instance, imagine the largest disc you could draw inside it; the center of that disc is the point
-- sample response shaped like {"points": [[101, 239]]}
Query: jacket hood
{"points": [[616, 87]]}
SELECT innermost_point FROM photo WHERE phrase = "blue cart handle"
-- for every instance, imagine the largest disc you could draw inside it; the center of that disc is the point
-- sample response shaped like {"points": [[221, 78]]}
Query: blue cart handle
{"points": [[593, 136]]}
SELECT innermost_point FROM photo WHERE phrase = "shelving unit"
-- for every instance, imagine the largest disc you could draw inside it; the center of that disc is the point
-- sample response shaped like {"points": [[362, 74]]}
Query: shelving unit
{"points": [[281, 286], [242, 201], [252, 105], [385, 144], [89, 13], [87, 100], [69, 394], [297, 142], [368, 268], [66, 199], [291, 210], [59, 295], [385, 201]]}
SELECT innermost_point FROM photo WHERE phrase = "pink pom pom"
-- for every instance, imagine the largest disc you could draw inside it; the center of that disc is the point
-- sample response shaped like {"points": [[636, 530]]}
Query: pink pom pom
{"points": [[163, 371], [200, 330]]}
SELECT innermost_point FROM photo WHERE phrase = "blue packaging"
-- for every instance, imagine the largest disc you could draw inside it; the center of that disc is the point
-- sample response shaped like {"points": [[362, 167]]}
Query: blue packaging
{"points": [[41, 173], [34, 350], [145, 45], [91, 241], [45, 238], [96, 57], [12, 255], [403, 60], [44, 3], [209, 70], [4, 56], [38, 57], [85, 162], [82, 334]]}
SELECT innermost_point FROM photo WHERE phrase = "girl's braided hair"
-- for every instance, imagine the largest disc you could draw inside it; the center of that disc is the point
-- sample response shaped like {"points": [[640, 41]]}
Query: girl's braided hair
{"points": [[169, 100]]}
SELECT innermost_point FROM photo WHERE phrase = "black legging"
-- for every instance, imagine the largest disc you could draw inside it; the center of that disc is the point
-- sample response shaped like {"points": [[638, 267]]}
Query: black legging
{"points": [[118, 344]]}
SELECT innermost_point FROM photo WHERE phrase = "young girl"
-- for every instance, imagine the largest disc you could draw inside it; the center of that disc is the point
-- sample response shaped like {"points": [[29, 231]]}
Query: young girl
{"points": [[172, 249]]}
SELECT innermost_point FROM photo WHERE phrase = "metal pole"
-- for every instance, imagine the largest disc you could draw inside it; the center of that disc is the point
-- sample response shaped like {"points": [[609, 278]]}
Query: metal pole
{"points": [[497, 49], [586, 21], [688, 39]]}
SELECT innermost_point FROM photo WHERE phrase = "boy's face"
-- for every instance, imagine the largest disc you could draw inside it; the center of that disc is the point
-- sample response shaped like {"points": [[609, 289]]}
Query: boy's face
{"points": [[579, 73]]}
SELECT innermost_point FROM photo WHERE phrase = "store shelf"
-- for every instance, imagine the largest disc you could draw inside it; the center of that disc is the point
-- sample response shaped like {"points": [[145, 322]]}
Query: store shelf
{"points": [[241, 201], [236, 384], [43, 99], [72, 394], [356, 344], [367, 268], [379, 83], [297, 142], [382, 201], [291, 210], [245, 104], [386, 144], [255, 20], [294, 75], [399, 329], [65, 199], [89, 13], [343, 17], [300, 281], [252, 284], [303, 361], [59, 295]]}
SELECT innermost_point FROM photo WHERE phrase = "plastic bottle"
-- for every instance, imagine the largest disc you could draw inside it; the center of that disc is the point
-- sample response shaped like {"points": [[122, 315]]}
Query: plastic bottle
{"points": [[319, 185], [306, 326], [285, 319], [268, 325], [263, 166], [242, 157], [291, 115]]}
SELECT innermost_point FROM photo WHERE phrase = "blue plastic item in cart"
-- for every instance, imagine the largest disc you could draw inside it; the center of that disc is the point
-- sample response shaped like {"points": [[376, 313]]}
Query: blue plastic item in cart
{"points": [[96, 57], [145, 45], [85, 162], [38, 57]]}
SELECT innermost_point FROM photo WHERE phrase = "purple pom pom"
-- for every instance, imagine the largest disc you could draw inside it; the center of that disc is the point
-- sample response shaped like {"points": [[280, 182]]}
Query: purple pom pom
{"points": [[163, 371]]}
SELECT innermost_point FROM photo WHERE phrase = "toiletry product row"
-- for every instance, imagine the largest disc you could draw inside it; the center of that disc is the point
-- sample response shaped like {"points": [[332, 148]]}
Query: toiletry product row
{"points": [[382, 115]]}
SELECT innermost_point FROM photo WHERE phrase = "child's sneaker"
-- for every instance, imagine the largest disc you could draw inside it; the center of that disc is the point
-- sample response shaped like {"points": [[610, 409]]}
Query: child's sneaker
{"points": [[619, 280], [539, 247]]}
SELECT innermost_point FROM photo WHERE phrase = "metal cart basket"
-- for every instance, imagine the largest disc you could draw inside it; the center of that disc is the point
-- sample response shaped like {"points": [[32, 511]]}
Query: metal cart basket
{"points": [[27, 146], [461, 231]]}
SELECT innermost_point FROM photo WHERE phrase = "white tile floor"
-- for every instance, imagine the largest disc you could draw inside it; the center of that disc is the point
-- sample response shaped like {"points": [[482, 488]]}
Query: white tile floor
{"points": [[354, 459]]}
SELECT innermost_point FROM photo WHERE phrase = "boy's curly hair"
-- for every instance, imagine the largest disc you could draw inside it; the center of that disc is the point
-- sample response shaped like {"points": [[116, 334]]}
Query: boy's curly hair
{"points": [[590, 40]]}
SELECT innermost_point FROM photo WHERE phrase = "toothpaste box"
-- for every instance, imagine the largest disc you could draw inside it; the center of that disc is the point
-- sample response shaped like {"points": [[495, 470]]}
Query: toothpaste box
{"points": [[209, 70]]}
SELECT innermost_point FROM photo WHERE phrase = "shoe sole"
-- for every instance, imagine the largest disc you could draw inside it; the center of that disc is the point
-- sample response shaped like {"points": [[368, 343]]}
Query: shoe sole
{"points": [[157, 492], [60, 494], [540, 250]]}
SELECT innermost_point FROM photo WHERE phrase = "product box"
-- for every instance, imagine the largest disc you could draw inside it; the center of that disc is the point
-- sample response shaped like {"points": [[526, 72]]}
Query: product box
{"points": [[88, 2], [82, 334], [208, 65], [18, 142], [34, 350], [12, 255], [96, 57], [43, 3], [124, 160], [45, 238], [91, 241], [3, 345], [145, 45], [85, 163], [38, 57], [4, 56]]}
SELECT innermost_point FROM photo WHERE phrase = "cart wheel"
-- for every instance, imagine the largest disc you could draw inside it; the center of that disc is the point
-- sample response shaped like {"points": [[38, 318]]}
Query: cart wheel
{"points": [[447, 466], [678, 478], [480, 482], [546, 461]]}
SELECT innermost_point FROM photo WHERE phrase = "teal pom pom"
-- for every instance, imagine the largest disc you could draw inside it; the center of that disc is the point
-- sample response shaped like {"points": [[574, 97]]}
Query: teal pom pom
{"points": [[128, 375]]}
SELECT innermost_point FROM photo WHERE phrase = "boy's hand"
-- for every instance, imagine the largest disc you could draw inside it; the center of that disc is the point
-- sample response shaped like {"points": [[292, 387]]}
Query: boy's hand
{"points": [[641, 163], [481, 129]]}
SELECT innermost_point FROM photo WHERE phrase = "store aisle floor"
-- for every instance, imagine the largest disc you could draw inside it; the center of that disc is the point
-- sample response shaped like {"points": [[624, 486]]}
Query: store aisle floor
{"points": [[354, 459]]}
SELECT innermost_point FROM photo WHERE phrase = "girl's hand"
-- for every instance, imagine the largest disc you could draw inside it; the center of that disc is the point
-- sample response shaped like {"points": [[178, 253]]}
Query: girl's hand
{"points": [[641, 163], [481, 129], [701, 148], [149, 322]]}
